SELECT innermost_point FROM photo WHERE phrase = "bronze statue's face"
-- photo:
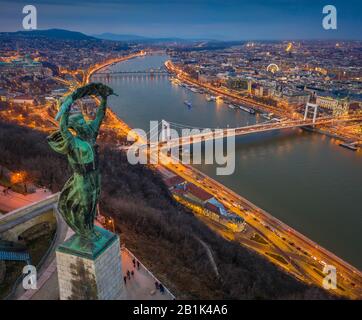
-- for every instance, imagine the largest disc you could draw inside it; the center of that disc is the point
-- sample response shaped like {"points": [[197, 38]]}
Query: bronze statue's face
{"points": [[80, 126]]}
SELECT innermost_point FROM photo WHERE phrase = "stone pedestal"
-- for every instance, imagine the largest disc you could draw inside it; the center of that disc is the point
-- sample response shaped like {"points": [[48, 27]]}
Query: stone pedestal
{"points": [[90, 270]]}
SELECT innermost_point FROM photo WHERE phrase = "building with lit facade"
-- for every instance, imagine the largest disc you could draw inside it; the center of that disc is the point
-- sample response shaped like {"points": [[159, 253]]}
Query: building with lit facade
{"points": [[335, 104]]}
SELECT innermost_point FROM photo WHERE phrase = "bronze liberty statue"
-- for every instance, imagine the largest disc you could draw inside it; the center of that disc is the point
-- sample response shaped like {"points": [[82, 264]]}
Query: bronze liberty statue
{"points": [[76, 138]]}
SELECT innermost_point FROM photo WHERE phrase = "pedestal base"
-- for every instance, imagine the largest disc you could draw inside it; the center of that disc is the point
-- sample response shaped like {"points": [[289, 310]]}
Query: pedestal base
{"points": [[90, 270]]}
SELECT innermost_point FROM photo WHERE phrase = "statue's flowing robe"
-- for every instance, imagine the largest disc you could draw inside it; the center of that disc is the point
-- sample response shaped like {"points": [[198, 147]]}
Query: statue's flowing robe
{"points": [[79, 197]]}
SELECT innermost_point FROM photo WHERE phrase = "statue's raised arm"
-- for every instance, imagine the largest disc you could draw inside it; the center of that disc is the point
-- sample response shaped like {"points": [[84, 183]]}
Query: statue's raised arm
{"points": [[101, 112]]}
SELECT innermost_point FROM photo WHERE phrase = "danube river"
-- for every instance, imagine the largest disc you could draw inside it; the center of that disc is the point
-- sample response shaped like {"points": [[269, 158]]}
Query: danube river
{"points": [[304, 179]]}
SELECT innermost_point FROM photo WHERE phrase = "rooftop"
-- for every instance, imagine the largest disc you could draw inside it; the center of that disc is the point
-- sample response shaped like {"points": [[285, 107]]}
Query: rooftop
{"points": [[198, 192], [174, 181]]}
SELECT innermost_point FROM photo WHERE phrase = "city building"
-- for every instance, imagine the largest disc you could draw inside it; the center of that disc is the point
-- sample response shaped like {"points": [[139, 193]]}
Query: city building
{"points": [[295, 97], [203, 203], [23, 100], [332, 102], [25, 63], [175, 182], [3, 94]]}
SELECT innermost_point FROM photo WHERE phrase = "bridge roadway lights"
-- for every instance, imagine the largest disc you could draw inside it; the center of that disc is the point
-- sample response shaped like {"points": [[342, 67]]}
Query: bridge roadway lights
{"points": [[315, 111]]}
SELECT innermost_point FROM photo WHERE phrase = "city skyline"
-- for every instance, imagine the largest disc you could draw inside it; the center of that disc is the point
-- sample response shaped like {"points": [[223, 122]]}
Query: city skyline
{"points": [[230, 20]]}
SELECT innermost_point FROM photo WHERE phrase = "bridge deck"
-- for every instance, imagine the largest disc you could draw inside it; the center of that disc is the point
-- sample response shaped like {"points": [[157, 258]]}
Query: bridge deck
{"points": [[261, 127], [145, 72]]}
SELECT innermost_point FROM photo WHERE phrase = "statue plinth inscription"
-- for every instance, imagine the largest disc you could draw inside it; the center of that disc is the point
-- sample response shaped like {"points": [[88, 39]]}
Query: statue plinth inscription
{"points": [[89, 263]]}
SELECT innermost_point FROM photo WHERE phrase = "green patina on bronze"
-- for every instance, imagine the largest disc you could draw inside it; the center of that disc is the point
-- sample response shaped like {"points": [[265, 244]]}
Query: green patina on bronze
{"points": [[84, 248], [79, 197]]}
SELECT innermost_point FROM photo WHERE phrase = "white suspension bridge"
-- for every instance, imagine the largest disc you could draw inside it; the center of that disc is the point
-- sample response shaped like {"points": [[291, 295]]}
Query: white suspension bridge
{"points": [[165, 133]]}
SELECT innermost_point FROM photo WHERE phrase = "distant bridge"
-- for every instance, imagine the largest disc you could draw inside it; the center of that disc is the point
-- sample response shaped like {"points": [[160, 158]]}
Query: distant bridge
{"points": [[149, 72]]}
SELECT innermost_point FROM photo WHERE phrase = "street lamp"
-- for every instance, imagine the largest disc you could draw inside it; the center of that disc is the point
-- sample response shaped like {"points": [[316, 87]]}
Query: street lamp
{"points": [[110, 221], [18, 178]]}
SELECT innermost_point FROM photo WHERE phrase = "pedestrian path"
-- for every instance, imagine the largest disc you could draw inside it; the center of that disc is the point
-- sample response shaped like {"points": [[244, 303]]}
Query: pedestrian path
{"points": [[141, 286]]}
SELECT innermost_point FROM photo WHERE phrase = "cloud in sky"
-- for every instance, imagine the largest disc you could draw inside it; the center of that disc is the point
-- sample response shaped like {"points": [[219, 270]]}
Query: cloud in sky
{"points": [[223, 19]]}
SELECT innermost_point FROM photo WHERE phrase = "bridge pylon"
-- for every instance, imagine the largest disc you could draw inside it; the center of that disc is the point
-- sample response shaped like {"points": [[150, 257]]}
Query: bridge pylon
{"points": [[315, 111], [165, 131]]}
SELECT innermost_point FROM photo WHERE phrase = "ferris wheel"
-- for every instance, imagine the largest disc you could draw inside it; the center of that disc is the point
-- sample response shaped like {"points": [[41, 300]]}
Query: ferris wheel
{"points": [[272, 68]]}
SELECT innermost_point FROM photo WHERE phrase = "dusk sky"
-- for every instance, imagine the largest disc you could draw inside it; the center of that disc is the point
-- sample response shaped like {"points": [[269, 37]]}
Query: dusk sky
{"points": [[217, 19]]}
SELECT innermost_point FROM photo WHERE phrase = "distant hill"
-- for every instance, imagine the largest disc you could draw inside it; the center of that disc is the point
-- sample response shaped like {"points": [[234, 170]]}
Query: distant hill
{"points": [[119, 37], [58, 34], [136, 38]]}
